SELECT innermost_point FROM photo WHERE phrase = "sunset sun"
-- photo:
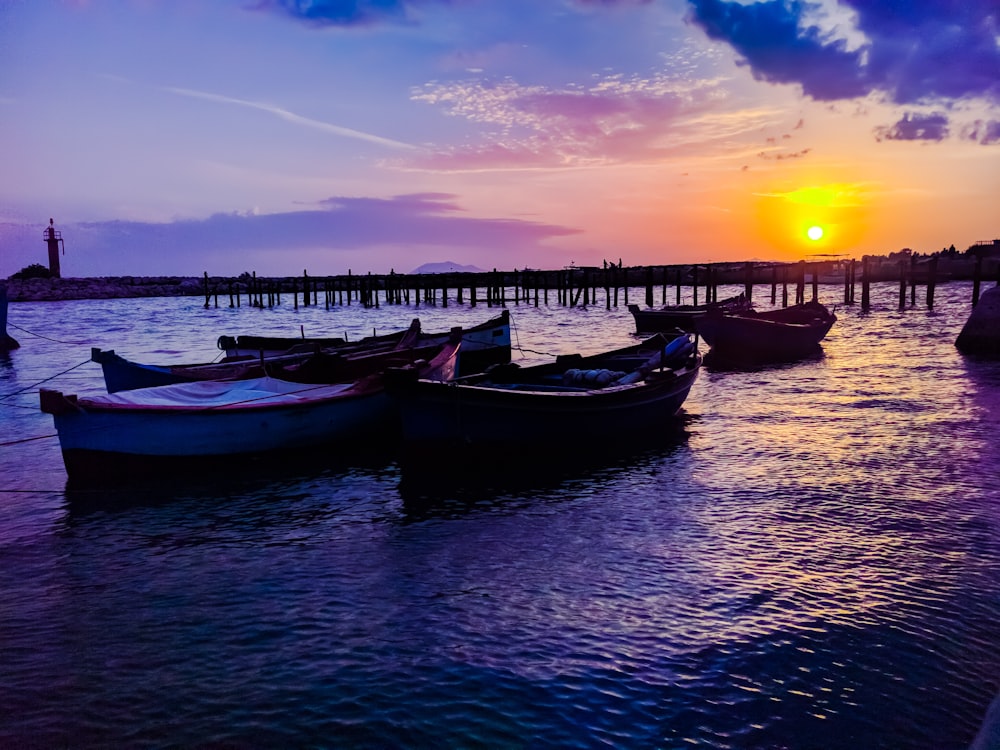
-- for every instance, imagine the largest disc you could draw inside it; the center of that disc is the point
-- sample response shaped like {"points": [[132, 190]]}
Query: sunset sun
{"points": [[815, 233]]}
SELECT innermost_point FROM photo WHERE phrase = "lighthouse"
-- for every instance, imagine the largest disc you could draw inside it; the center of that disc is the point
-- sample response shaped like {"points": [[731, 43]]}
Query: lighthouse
{"points": [[54, 239]]}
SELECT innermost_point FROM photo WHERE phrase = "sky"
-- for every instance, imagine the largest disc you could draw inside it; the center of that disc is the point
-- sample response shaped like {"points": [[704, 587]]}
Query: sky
{"points": [[178, 137]]}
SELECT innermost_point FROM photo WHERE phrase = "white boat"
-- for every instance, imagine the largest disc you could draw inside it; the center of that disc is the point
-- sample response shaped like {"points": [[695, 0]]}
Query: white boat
{"points": [[110, 437]]}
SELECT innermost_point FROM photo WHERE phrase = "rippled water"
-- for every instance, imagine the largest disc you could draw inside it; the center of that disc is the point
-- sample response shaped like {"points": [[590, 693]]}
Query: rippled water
{"points": [[811, 562]]}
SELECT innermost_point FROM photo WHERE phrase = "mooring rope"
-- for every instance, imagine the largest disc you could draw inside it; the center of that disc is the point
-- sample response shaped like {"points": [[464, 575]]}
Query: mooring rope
{"points": [[54, 341], [27, 440], [34, 492], [513, 327], [35, 385]]}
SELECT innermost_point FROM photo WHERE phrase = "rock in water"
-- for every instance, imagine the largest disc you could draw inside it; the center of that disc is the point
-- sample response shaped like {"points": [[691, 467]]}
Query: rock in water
{"points": [[981, 332]]}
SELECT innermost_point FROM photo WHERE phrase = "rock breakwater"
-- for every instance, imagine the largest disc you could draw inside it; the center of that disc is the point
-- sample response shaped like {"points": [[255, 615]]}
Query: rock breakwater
{"points": [[104, 287]]}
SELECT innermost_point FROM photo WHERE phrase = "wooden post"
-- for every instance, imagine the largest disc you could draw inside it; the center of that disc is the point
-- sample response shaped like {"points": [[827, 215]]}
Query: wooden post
{"points": [[902, 284], [854, 271], [800, 283], [680, 280], [848, 281], [976, 277], [748, 280], [815, 285], [774, 285], [931, 281], [913, 279], [865, 284], [666, 283], [206, 290], [649, 286], [694, 282], [784, 286]]}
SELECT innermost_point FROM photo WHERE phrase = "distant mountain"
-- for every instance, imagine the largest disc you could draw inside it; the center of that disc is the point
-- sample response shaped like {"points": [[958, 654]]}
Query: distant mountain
{"points": [[447, 266]]}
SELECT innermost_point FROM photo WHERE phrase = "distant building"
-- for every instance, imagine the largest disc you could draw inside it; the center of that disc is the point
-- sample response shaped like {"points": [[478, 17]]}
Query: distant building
{"points": [[985, 248]]}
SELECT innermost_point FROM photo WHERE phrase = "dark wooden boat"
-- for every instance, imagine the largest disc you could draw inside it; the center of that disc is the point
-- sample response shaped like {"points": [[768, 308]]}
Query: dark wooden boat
{"points": [[682, 317], [482, 345], [491, 333], [781, 335], [564, 405]]}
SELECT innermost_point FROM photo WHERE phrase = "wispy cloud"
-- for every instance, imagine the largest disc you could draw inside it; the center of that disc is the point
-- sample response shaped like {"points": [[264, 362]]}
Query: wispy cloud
{"points": [[291, 117], [615, 119]]}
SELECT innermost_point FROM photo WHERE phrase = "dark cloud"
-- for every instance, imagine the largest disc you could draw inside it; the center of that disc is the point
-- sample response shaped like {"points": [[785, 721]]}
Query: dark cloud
{"points": [[918, 51], [344, 12], [404, 225], [784, 155], [769, 38], [985, 132], [916, 127], [610, 3]]}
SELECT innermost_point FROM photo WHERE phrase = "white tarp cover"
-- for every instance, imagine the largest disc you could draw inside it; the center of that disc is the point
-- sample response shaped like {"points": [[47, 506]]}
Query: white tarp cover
{"points": [[216, 394]]}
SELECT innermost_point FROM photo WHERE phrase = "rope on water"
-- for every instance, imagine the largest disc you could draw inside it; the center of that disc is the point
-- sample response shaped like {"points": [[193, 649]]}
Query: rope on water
{"points": [[518, 346], [33, 492], [27, 440], [55, 341], [35, 385]]}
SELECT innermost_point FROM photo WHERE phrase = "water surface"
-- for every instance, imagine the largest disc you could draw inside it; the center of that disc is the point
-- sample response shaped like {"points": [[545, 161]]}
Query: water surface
{"points": [[809, 560]]}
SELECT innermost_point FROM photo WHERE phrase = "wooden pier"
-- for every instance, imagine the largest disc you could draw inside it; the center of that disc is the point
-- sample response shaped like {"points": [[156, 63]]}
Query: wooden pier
{"points": [[609, 286]]}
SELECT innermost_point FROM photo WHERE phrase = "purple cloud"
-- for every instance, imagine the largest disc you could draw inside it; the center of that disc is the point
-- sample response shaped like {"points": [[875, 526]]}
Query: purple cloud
{"points": [[915, 52], [771, 40], [916, 127], [394, 230], [343, 12], [987, 133]]}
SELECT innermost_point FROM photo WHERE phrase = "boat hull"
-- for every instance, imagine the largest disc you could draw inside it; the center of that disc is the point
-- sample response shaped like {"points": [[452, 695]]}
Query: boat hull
{"points": [[115, 436], [496, 417], [681, 317], [779, 336], [483, 345], [562, 407], [105, 447]]}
